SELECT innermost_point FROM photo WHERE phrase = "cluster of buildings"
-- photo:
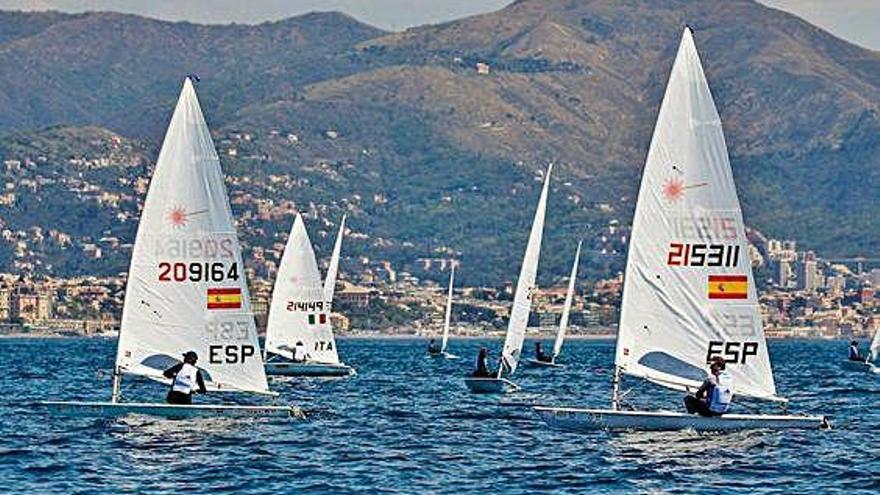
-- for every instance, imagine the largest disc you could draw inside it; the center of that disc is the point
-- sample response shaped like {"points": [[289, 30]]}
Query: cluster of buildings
{"points": [[808, 296], [79, 306], [802, 295]]}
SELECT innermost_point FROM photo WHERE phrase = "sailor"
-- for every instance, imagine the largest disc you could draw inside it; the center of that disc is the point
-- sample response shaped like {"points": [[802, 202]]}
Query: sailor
{"points": [[482, 367], [299, 353], [186, 379], [539, 354], [854, 354], [715, 394], [433, 348]]}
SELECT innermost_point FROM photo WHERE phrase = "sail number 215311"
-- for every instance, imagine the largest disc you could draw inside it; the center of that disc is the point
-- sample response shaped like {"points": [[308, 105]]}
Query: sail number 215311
{"points": [[217, 271]]}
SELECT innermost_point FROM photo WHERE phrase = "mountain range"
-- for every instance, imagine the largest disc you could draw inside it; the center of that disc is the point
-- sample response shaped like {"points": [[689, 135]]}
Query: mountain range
{"points": [[434, 157]]}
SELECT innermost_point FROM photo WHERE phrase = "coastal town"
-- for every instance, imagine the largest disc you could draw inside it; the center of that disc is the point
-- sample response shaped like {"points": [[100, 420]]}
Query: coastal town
{"points": [[804, 297]]}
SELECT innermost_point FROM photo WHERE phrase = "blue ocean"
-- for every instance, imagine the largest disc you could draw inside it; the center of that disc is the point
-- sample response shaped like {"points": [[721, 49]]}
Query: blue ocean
{"points": [[406, 424]]}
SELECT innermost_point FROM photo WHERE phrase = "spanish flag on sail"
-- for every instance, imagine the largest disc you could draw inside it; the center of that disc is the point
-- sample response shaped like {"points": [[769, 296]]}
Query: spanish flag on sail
{"points": [[225, 298], [728, 287]]}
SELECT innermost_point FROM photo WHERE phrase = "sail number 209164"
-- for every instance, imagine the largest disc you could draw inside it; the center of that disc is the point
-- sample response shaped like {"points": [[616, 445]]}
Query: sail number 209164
{"points": [[217, 271]]}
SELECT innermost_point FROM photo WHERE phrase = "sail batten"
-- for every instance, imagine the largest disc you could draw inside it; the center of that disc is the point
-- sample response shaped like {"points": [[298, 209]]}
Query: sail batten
{"points": [[299, 315], [186, 288], [689, 292], [525, 287]]}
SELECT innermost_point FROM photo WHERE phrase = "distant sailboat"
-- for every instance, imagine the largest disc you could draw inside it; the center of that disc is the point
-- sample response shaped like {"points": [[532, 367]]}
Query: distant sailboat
{"points": [[333, 267], [186, 284], [447, 321], [522, 305], [870, 364], [299, 334], [688, 295], [563, 320]]}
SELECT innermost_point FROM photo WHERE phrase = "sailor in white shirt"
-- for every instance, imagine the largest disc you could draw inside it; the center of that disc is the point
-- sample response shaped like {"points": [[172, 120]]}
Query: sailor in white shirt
{"points": [[715, 394], [186, 379]]}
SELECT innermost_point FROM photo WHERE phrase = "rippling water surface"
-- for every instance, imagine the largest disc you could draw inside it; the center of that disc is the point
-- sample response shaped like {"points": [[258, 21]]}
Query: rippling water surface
{"points": [[406, 424]]}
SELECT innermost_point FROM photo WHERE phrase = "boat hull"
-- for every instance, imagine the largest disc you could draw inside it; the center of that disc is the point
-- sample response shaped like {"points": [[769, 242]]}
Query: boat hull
{"points": [[445, 355], [115, 409], [606, 419], [286, 368], [534, 363], [860, 366], [490, 385]]}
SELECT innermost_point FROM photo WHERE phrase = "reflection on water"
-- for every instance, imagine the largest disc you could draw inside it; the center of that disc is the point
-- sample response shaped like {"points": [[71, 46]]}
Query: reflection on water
{"points": [[406, 424]]}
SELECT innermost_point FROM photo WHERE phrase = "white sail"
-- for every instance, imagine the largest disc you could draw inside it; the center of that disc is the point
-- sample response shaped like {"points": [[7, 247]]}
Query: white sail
{"points": [[186, 284], [875, 346], [448, 311], [689, 293], [299, 316], [333, 268], [566, 309], [525, 288]]}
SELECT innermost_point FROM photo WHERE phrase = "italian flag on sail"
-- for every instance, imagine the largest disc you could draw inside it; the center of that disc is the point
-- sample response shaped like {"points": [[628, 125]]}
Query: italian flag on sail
{"points": [[226, 298], [317, 318], [728, 287]]}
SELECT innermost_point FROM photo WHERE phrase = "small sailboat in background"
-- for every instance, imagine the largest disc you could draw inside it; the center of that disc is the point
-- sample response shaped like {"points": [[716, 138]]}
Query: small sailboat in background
{"points": [[299, 334], [441, 351], [333, 267], [563, 320], [869, 364], [688, 294], [522, 306], [186, 285]]}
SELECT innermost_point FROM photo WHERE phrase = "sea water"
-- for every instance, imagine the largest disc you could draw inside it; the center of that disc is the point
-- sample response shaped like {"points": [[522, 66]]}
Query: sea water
{"points": [[406, 424]]}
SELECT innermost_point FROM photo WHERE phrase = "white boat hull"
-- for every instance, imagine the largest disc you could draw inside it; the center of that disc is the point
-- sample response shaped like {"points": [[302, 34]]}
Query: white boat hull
{"points": [[860, 366], [287, 368], [445, 355], [534, 363], [115, 409], [607, 419], [490, 385]]}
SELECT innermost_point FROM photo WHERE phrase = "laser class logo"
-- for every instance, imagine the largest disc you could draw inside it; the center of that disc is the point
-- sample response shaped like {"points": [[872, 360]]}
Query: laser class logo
{"points": [[178, 217], [674, 188]]}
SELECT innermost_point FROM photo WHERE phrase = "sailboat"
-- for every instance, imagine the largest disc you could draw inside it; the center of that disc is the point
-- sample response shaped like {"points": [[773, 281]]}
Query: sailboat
{"points": [[333, 267], [186, 284], [689, 294], [522, 306], [446, 324], [869, 364], [563, 320], [299, 334]]}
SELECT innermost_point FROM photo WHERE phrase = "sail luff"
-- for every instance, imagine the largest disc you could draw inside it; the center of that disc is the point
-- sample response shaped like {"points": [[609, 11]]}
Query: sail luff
{"points": [[525, 287], [689, 291], [448, 317], [186, 287], [333, 268], [566, 309]]}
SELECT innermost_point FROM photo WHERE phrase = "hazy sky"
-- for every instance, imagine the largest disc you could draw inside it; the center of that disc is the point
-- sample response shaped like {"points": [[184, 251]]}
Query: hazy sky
{"points": [[855, 20]]}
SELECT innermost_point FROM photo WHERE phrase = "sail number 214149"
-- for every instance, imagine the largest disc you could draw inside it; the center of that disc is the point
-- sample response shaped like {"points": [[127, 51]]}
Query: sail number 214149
{"points": [[217, 271]]}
